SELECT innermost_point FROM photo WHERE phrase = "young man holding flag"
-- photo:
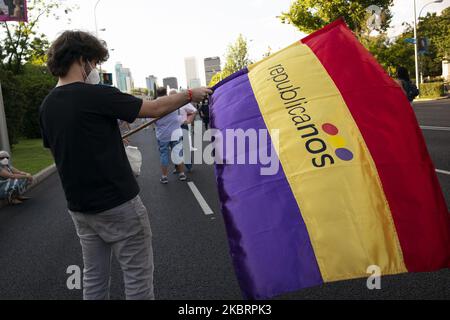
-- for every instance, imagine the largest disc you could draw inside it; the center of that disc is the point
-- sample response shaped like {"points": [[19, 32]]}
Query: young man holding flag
{"points": [[79, 124]]}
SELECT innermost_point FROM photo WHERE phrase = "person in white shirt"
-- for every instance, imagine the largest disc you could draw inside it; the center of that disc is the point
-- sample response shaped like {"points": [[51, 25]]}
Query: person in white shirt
{"points": [[169, 136], [186, 115]]}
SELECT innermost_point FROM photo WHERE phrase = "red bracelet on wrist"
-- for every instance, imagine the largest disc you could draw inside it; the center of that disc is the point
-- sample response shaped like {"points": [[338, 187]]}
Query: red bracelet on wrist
{"points": [[190, 94]]}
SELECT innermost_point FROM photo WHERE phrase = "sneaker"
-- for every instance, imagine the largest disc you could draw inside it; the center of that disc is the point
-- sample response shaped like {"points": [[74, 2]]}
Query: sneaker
{"points": [[175, 171], [12, 198], [182, 177], [164, 180], [190, 169]]}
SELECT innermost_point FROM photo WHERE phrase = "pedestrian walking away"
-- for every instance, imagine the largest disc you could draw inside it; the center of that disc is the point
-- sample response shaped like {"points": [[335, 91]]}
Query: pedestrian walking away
{"points": [[204, 112], [405, 83]]}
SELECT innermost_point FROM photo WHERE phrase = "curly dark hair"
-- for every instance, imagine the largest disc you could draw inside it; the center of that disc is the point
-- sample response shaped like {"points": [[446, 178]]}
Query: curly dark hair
{"points": [[70, 46]]}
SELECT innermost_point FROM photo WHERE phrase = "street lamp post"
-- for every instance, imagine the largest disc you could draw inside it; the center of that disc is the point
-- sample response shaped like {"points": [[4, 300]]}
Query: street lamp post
{"points": [[95, 17], [416, 40], [96, 34], [4, 140], [416, 56]]}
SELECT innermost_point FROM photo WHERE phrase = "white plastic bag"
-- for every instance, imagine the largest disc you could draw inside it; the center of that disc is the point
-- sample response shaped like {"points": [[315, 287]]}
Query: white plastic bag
{"points": [[135, 158]]}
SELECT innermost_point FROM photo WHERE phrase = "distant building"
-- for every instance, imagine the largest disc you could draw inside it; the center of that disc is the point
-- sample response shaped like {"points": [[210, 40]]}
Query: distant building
{"points": [[170, 82], [129, 85], [106, 78], [194, 83], [124, 80], [212, 66], [152, 83], [192, 78]]}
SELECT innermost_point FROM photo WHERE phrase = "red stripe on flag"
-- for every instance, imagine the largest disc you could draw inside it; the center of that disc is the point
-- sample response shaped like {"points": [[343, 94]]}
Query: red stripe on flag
{"points": [[391, 132]]}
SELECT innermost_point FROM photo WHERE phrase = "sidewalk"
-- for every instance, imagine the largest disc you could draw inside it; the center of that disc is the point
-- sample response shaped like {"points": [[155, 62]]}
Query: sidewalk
{"points": [[432, 99], [37, 178]]}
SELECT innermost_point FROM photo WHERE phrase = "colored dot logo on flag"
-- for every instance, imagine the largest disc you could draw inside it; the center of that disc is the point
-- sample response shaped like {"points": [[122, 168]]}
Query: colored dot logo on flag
{"points": [[337, 142]]}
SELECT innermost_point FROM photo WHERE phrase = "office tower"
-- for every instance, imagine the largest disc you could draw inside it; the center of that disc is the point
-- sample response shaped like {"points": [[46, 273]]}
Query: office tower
{"points": [[152, 83], [170, 82], [192, 78], [212, 66], [123, 78]]}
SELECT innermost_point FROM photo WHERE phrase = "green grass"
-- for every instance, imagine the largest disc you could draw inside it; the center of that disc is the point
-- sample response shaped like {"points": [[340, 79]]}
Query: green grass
{"points": [[30, 156]]}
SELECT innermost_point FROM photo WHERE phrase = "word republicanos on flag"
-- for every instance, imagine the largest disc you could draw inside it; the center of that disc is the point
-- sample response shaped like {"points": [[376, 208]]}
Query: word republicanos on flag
{"points": [[13, 10], [356, 186]]}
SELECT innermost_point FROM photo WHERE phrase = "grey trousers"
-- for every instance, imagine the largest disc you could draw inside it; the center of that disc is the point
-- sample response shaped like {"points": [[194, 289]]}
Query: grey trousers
{"points": [[124, 232]]}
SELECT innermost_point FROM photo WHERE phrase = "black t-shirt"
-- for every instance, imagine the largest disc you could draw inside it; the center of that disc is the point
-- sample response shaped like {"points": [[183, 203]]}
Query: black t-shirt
{"points": [[79, 125]]}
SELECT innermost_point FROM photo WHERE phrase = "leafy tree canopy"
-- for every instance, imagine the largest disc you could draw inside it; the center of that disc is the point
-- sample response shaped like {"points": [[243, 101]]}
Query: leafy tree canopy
{"points": [[311, 15], [236, 58]]}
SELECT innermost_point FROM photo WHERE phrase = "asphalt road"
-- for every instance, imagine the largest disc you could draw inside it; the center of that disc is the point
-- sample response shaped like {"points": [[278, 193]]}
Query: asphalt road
{"points": [[38, 241], [434, 118]]}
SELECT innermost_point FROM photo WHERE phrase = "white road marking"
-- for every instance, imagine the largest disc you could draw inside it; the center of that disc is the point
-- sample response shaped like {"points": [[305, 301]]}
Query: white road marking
{"points": [[435, 128], [201, 201], [443, 172]]}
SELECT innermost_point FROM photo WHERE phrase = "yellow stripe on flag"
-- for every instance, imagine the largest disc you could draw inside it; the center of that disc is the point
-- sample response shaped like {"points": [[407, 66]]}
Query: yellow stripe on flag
{"points": [[328, 166]]}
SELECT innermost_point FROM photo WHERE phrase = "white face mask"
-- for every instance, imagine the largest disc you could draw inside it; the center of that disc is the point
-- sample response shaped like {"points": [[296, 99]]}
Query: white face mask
{"points": [[5, 161], [93, 77]]}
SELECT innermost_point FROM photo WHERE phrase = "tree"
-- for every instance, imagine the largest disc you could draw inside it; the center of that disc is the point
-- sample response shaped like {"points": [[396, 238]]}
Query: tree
{"points": [[15, 102], [311, 15], [236, 58], [437, 29], [35, 83], [399, 52], [391, 52], [140, 91], [215, 79]]}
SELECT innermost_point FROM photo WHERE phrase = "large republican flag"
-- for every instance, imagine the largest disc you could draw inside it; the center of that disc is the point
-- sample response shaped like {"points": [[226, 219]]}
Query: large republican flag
{"points": [[356, 186]]}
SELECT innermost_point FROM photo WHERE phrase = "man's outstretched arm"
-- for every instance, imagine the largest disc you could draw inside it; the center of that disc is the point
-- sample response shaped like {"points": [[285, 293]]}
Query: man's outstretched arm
{"points": [[165, 105]]}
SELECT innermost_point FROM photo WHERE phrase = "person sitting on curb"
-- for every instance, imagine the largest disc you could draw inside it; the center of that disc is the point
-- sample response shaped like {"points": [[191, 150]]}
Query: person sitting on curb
{"points": [[13, 183]]}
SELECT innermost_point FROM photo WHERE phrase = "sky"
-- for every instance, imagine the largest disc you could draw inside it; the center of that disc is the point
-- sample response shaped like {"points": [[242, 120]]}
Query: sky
{"points": [[153, 37]]}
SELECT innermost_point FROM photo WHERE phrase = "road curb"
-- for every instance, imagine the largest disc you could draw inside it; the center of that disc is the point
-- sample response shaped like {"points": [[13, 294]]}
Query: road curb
{"points": [[431, 99], [37, 179]]}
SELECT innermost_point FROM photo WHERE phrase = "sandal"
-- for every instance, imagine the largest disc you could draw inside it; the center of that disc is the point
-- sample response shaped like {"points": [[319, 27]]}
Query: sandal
{"points": [[23, 198], [15, 201], [12, 198]]}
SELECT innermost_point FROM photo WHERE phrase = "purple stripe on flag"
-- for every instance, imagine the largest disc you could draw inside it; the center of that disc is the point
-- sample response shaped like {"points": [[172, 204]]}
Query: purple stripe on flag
{"points": [[229, 78], [269, 243]]}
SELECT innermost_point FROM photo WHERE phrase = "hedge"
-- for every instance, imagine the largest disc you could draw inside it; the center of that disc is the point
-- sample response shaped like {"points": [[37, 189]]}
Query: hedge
{"points": [[22, 96], [432, 90], [14, 102]]}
